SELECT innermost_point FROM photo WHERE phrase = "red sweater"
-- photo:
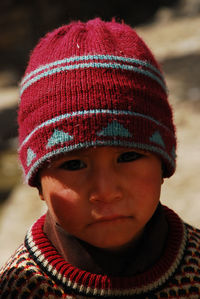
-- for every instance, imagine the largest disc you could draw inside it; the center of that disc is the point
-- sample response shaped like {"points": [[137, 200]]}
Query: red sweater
{"points": [[36, 270]]}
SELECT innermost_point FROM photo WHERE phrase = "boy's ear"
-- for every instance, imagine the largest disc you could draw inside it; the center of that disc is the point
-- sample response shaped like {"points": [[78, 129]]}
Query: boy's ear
{"points": [[163, 173], [41, 196], [39, 187]]}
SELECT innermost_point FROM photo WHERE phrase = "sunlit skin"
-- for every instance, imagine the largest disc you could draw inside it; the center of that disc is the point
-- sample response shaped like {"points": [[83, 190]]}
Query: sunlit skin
{"points": [[104, 195]]}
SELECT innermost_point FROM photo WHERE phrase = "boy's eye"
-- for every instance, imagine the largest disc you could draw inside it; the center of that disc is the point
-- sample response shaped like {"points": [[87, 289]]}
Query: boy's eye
{"points": [[72, 165], [129, 157]]}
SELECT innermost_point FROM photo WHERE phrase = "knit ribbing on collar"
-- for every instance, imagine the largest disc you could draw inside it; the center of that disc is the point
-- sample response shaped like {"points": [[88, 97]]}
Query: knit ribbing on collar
{"points": [[86, 283]]}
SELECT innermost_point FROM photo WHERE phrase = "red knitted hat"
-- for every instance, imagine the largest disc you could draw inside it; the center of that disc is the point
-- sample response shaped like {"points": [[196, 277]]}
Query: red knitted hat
{"points": [[93, 84]]}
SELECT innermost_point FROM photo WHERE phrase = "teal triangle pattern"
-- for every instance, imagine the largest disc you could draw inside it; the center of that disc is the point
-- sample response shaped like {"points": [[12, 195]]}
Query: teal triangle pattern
{"points": [[58, 137], [156, 138], [114, 129], [30, 156]]}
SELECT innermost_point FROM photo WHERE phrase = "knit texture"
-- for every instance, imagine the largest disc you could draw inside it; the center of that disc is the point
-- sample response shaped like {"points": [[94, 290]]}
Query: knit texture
{"points": [[38, 271], [93, 84]]}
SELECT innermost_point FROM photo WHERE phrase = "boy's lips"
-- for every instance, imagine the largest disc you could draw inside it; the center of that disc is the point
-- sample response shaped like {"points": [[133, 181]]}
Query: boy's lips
{"points": [[111, 218]]}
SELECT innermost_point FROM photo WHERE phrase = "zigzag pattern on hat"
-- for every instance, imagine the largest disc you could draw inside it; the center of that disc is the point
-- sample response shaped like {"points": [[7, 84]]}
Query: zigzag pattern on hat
{"points": [[92, 112]]}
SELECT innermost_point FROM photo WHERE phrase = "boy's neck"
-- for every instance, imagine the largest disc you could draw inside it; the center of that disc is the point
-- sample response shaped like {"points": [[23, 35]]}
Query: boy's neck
{"points": [[118, 262]]}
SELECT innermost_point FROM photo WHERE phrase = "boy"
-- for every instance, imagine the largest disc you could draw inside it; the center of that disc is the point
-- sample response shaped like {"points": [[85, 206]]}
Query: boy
{"points": [[97, 138]]}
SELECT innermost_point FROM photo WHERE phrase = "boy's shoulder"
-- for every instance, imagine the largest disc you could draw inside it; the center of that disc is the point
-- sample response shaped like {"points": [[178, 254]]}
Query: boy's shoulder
{"points": [[19, 260], [193, 232], [19, 271], [193, 242], [191, 239], [22, 277], [187, 276]]}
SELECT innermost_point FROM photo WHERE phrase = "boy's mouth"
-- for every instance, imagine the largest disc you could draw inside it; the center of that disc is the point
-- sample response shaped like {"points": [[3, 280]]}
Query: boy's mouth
{"points": [[111, 218]]}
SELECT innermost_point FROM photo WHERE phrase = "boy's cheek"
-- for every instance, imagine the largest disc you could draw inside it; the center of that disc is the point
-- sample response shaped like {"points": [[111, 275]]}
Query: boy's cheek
{"points": [[64, 208], [62, 201]]}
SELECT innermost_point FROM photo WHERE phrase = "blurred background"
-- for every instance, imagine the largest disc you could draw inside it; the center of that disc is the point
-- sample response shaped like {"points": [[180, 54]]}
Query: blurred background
{"points": [[172, 30]]}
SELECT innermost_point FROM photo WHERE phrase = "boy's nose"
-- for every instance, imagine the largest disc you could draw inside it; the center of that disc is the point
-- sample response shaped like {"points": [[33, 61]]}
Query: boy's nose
{"points": [[105, 187]]}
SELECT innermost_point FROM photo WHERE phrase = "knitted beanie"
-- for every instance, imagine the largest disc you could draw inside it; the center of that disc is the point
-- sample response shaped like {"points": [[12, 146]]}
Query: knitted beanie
{"points": [[93, 84]]}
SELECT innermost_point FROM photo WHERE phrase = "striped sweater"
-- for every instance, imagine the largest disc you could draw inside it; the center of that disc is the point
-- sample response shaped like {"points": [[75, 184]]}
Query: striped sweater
{"points": [[36, 270]]}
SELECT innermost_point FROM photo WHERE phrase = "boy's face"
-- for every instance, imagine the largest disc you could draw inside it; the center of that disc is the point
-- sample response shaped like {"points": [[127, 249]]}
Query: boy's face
{"points": [[104, 195]]}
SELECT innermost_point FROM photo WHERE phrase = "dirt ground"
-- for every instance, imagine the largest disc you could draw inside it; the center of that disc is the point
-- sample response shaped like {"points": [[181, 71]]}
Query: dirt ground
{"points": [[176, 44]]}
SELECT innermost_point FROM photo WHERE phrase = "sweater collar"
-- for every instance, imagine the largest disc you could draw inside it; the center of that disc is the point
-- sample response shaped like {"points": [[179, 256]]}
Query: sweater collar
{"points": [[73, 280], [135, 259]]}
